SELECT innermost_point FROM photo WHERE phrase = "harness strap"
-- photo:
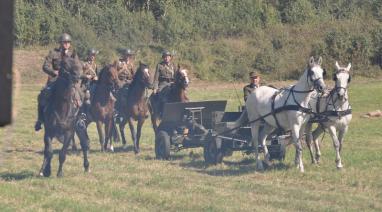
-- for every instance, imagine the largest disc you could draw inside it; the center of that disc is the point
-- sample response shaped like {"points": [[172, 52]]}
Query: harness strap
{"points": [[337, 113], [274, 111]]}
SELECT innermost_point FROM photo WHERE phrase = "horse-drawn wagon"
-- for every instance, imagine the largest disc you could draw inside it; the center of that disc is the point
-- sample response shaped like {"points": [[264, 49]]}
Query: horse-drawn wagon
{"points": [[206, 124], [227, 137], [185, 125]]}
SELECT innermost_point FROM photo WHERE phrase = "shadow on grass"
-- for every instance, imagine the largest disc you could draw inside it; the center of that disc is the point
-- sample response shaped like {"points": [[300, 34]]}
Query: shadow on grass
{"points": [[230, 168], [16, 176]]}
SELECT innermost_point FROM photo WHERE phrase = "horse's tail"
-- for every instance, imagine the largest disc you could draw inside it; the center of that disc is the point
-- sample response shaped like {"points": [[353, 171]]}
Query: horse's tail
{"points": [[241, 120]]}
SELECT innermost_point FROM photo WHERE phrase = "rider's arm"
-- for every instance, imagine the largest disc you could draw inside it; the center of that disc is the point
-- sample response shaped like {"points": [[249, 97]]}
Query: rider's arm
{"points": [[245, 90], [47, 66]]}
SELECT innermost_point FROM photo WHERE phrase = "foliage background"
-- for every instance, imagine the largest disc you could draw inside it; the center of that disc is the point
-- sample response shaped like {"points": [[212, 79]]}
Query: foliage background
{"points": [[216, 39]]}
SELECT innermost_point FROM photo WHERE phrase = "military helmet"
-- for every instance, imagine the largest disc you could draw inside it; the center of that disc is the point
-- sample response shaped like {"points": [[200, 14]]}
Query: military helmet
{"points": [[65, 37], [127, 52], [253, 74], [166, 53], [93, 51]]}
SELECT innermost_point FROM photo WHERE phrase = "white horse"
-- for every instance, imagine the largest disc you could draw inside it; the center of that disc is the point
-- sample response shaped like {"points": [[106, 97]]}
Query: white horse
{"points": [[286, 109], [334, 114]]}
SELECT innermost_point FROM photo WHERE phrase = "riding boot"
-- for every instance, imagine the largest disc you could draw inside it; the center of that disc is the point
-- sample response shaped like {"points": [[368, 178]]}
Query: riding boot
{"points": [[40, 117]]}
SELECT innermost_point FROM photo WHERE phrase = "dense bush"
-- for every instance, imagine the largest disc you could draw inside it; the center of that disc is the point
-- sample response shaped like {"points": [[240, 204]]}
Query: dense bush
{"points": [[216, 39]]}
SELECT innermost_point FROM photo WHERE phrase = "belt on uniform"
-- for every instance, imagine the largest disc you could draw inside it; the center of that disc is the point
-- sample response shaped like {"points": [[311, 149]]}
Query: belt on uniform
{"points": [[162, 79]]}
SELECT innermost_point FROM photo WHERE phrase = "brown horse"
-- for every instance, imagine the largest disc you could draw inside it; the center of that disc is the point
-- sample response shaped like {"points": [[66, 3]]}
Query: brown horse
{"points": [[102, 104], [176, 92], [134, 106], [61, 114]]}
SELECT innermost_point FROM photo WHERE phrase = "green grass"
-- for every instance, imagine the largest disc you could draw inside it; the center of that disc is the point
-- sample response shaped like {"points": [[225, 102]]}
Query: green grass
{"points": [[122, 181]]}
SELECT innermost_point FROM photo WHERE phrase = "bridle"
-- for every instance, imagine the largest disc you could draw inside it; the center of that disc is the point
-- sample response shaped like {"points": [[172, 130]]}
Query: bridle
{"points": [[309, 77], [337, 88], [181, 80]]}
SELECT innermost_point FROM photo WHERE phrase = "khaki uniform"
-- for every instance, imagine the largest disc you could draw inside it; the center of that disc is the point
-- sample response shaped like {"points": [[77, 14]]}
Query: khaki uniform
{"points": [[90, 68], [125, 72], [53, 60], [164, 75], [248, 89]]}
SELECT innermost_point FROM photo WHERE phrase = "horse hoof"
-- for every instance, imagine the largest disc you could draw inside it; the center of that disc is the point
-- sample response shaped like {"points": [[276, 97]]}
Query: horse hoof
{"points": [[45, 173], [136, 151], [339, 167], [60, 174], [301, 169], [111, 149], [87, 170]]}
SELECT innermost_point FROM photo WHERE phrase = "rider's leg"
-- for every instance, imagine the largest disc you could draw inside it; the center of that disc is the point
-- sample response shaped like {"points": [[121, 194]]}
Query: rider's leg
{"points": [[42, 100]]}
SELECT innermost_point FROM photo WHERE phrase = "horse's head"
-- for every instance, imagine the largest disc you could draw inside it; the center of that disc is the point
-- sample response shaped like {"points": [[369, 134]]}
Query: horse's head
{"points": [[143, 75], [71, 69], [109, 76], [181, 77], [315, 74], [342, 78]]}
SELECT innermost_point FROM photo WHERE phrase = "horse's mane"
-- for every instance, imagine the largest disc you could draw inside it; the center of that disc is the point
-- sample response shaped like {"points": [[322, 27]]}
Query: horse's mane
{"points": [[70, 68], [103, 72], [139, 73]]}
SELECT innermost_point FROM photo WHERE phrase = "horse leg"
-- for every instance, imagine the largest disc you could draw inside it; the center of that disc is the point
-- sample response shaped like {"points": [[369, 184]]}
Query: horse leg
{"points": [[255, 145], [48, 154], [341, 135], [263, 134], [308, 140], [108, 132], [116, 137], [139, 130], [74, 146], [84, 142], [297, 143], [316, 133], [62, 155], [122, 132], [336, 145], [133, 135], [100, 135], [154, 122]]}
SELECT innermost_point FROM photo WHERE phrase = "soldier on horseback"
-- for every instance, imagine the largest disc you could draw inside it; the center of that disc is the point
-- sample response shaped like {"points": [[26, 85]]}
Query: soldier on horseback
{"points": [[163, 78], [125, 75], [164, 73], [88, 79], [90, 73], [51, 67]]}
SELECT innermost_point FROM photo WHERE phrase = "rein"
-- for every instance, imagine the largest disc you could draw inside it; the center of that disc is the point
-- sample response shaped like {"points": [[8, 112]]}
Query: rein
{"points": [[274, 111]]}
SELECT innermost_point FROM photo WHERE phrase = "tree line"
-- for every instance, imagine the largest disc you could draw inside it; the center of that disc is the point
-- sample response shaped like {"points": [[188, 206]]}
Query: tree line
{"points": [[217, 39]]}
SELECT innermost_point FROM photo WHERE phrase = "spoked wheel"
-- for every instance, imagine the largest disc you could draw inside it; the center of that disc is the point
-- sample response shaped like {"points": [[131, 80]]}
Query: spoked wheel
{"points": [[213, 152], [162, 145]]}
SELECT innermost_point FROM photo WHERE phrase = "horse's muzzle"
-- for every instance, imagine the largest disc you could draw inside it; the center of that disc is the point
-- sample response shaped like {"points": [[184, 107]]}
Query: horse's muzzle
{"points": [[319, 85]]}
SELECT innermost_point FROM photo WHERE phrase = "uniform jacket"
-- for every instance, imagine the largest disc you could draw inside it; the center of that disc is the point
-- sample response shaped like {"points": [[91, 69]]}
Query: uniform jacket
{"points": [[163, 73], [90, 68], [125, 72], [53, 60]]}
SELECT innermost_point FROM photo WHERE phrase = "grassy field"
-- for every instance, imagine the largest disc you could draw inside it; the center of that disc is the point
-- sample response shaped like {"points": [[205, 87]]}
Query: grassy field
{"points": [[123, 181]]}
